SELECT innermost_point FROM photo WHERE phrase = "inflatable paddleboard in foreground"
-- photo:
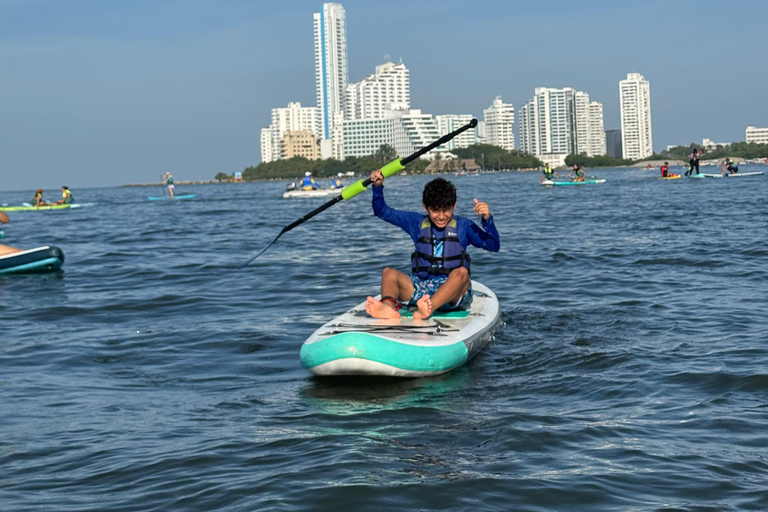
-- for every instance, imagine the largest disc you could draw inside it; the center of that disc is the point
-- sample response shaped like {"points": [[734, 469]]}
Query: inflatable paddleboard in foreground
{"points": [[737, 175], [323, 192], [42, 259], [357, 344]]}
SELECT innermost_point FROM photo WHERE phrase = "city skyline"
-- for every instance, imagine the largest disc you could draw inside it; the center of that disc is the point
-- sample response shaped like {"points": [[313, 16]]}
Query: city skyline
{"points": [[97, 94]]}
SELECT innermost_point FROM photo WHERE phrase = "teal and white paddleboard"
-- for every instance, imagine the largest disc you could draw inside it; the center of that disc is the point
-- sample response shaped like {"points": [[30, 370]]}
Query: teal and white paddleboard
{"points": [[162, 198], [588, 182], [737, 175], [356, 344], [697, 176]]}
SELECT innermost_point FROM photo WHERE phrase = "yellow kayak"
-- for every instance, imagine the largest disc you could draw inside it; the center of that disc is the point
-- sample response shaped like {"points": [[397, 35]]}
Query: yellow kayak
{"points": [[671, 177]]}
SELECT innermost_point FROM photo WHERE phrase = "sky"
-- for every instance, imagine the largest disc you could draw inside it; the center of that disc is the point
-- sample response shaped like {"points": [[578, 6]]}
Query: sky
{"points": [[102, 93]]}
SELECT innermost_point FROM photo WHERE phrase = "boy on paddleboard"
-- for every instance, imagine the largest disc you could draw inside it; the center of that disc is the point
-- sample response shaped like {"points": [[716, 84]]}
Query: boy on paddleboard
{"points": [[440, 264]]}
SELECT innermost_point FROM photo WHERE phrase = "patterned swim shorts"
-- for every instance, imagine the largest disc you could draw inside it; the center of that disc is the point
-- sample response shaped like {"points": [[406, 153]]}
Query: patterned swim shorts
{"points": [[429, 286]]}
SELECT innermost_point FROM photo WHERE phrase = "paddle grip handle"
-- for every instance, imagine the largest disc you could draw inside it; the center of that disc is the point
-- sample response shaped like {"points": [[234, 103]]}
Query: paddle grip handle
{"points": [[388, 170]]}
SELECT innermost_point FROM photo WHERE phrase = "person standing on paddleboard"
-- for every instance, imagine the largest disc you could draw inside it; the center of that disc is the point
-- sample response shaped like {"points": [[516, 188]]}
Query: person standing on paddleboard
{"points": [[548, 173], [694, 162], [169, 183], [441, 266]]}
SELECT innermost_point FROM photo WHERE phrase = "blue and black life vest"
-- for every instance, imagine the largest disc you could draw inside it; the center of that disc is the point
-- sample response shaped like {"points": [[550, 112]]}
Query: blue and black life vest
{"points": [[438, 256]]}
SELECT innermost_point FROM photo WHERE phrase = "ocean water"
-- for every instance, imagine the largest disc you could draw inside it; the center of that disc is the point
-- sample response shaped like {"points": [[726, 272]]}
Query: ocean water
{"points": [[152, 375]]}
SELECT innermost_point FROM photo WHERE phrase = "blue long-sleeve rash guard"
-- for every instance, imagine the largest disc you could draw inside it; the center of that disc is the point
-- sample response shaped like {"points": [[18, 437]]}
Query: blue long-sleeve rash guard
{"points": [[469, 233]]}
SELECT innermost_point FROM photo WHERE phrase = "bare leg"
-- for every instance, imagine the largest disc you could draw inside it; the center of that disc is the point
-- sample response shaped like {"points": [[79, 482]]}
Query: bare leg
{"points": [[393, 284], [170, 191], [449, 292], [7, 249]]}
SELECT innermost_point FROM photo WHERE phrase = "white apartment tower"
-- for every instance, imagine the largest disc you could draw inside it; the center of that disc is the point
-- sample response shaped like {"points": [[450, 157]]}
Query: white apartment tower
{"points": [[388, 89], [558, 122], [452, 122], [635, 102], [407, 131], [331, 70], [293, 118], [499, 119], [757, 135]]}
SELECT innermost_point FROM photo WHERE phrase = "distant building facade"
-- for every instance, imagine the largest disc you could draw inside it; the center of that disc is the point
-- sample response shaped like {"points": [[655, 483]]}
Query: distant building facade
{"points": [[499, 122], [302, 143], [293, 118], [613, 143], [407, 131], [452, 122], [331, 71], [757, 135], [558, 122], [388, 89], [635, 103]]}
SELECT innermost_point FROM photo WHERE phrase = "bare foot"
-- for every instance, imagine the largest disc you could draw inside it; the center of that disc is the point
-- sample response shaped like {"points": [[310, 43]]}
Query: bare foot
{"points": [[424, 308], [378, 309]]}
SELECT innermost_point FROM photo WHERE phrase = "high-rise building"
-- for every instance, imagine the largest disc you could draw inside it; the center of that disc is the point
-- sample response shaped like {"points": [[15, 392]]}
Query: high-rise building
{"points": [[388, 89], [499, 120], [558, 122], [331, 70], [547, 124], [407, 131], [301, 143], [451, 122], [293, 118], [757, 135], [635, 102], [613, 143]]}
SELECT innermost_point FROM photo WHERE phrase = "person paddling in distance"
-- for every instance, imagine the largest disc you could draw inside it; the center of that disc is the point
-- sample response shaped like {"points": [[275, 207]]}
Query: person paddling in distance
{"points": [[66, 196], [730, 167], [577, 173], [336, 183], [38, 199], [169, 183], [548, 173], [308, 183], [440, 264]]}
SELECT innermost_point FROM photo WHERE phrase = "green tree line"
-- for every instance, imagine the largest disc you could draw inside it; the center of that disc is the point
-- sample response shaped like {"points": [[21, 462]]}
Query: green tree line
{"points": [[737, 149]]}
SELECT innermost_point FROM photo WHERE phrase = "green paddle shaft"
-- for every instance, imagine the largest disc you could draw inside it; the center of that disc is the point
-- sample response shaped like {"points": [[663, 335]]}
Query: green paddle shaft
{"points": [[388, 170]]}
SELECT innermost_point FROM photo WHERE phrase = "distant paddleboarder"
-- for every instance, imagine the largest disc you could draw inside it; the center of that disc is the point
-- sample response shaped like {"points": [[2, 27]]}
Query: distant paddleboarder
{"points": [[440, 279], [694, 163], [730, 167], [577, 173], [548, 173], [66, 196], [336, 183], [169, 183], [38, 199]]}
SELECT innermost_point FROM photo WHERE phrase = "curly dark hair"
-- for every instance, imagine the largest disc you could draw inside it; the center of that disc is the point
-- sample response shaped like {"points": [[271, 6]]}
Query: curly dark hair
{"points": [[439, 194]]}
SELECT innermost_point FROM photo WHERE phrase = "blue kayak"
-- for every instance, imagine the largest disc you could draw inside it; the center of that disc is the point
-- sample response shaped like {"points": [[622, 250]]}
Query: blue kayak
{"points": [[42, 259], [161, 198]]}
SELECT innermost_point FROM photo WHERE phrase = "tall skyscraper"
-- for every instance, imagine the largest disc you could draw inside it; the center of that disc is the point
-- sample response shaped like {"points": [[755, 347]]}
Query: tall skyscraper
{"points": [[635, 102], [558, 122], [331, 71], [388, 89], [499, 119]]}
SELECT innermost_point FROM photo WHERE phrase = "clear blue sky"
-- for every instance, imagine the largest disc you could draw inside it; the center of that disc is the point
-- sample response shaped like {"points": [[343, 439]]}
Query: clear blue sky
{"points": [[97, 93]]}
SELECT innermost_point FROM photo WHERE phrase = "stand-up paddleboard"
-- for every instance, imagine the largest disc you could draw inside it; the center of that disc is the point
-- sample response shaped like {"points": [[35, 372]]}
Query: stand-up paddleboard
{"points": [[161, 198], [30, 208], [672, 177], [737, 175], [587, 182], [42, 259], [356, 344], [323, 192], [696, 176]]}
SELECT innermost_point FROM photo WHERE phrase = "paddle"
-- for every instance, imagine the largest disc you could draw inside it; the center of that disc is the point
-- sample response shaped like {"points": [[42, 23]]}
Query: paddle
{"points": [[351, 191]]}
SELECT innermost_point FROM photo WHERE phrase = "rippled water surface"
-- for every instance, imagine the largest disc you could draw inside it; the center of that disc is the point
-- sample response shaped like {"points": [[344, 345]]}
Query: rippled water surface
{"points": [[150, 374]]}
